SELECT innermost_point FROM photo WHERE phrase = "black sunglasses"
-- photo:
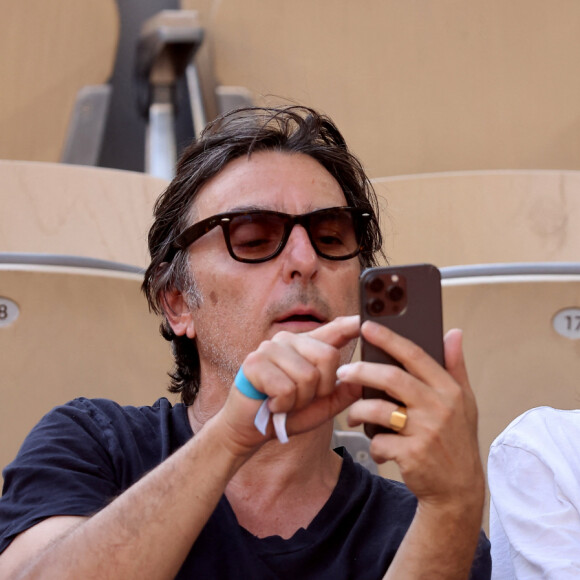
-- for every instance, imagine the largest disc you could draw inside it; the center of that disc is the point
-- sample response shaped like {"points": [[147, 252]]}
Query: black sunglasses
{"points": [[260, 235]]}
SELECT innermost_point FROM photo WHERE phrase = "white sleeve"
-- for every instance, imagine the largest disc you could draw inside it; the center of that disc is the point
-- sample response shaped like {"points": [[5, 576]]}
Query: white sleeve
{"points": [[534, 528]]}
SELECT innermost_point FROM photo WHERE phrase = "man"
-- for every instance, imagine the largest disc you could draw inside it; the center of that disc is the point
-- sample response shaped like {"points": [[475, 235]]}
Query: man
{"points": [[256, 250]]}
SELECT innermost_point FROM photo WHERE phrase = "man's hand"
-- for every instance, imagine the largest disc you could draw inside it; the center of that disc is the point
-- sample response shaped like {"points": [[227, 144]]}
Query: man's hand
{"points": [[437, 450], [298, 373]]}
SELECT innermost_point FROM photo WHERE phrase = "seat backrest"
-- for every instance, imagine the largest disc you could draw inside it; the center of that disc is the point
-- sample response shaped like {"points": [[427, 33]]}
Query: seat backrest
{"points": [[82, 211], [515, 357], [67, 332], [481, 217], [50, 50], [413, 86]]}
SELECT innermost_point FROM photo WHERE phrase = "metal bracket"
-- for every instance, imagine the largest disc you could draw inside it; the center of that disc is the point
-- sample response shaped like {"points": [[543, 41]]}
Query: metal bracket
{"points": [[357, 444], [87, 126], [168, 43]]}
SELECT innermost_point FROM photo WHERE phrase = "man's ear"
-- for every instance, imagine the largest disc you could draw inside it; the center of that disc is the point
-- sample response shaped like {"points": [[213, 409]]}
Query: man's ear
{"points": [[178, 313]]}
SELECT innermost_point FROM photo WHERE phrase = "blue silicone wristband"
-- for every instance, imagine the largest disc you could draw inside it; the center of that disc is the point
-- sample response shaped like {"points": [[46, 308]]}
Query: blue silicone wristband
{"points": [[246, 388]]}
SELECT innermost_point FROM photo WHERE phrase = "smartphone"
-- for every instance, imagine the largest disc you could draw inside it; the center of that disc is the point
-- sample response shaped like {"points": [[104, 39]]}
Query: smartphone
{"points": [[406, 299]]}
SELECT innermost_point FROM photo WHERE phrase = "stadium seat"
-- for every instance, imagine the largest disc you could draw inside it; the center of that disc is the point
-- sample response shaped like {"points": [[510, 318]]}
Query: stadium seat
{"points": [[69, 328], [50, 52], [73, 210], [480, 217], [521, 325]]}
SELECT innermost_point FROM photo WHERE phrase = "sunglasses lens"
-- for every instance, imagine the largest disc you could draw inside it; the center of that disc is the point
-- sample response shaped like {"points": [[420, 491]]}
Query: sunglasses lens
{"points": [[334, 233], [259, 236], [256, 236]]}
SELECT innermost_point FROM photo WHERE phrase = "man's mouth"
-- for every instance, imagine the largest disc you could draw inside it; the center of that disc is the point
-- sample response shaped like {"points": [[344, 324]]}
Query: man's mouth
{"points": [[301, 318]]}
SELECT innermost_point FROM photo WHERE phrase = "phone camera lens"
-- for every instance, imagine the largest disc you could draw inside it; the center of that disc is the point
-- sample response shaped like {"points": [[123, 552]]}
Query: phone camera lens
{"points": [[395, 292], [376, 285], [375, 306]]}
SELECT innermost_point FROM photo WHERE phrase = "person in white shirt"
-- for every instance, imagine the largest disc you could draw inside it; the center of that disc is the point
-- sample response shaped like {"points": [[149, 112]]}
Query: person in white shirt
{"points": [[534, 481]]}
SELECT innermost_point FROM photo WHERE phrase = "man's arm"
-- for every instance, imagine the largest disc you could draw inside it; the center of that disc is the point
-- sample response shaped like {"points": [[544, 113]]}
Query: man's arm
{"points": [[148, 530], [437, 451], [145, 532]]}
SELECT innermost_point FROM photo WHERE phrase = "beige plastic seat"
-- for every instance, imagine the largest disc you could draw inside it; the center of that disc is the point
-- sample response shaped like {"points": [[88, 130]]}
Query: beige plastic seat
{"points": [[73, 210], [73, 331], [481, 217], [412, 85], [50, 51], [516, 358]]}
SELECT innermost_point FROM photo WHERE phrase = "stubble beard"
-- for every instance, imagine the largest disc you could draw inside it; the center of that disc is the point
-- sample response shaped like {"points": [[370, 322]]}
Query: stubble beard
{"points": [[225, 356]]}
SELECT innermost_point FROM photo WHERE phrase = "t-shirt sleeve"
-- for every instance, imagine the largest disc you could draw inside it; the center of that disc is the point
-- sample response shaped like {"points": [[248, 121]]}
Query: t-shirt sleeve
{"points": [[66, 466], [534, 526]]}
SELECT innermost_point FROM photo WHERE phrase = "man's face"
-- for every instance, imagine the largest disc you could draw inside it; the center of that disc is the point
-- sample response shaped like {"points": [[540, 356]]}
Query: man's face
{"points": [[244, 304]]}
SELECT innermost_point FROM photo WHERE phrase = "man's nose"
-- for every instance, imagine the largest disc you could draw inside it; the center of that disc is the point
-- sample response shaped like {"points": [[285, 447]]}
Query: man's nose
{"points": [[300, 257]]}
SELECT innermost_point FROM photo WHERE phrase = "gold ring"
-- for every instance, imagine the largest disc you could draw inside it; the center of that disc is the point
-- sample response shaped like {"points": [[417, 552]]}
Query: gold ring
{"points": [[398, 419]]}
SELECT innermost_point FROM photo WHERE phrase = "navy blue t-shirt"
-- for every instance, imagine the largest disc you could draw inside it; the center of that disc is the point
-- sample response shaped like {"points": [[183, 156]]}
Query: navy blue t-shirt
{"points": [[85, 453]]}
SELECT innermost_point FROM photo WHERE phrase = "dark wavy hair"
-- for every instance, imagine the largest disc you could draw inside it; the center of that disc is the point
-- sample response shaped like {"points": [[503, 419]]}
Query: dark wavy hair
{"points": [[291, 129]]}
